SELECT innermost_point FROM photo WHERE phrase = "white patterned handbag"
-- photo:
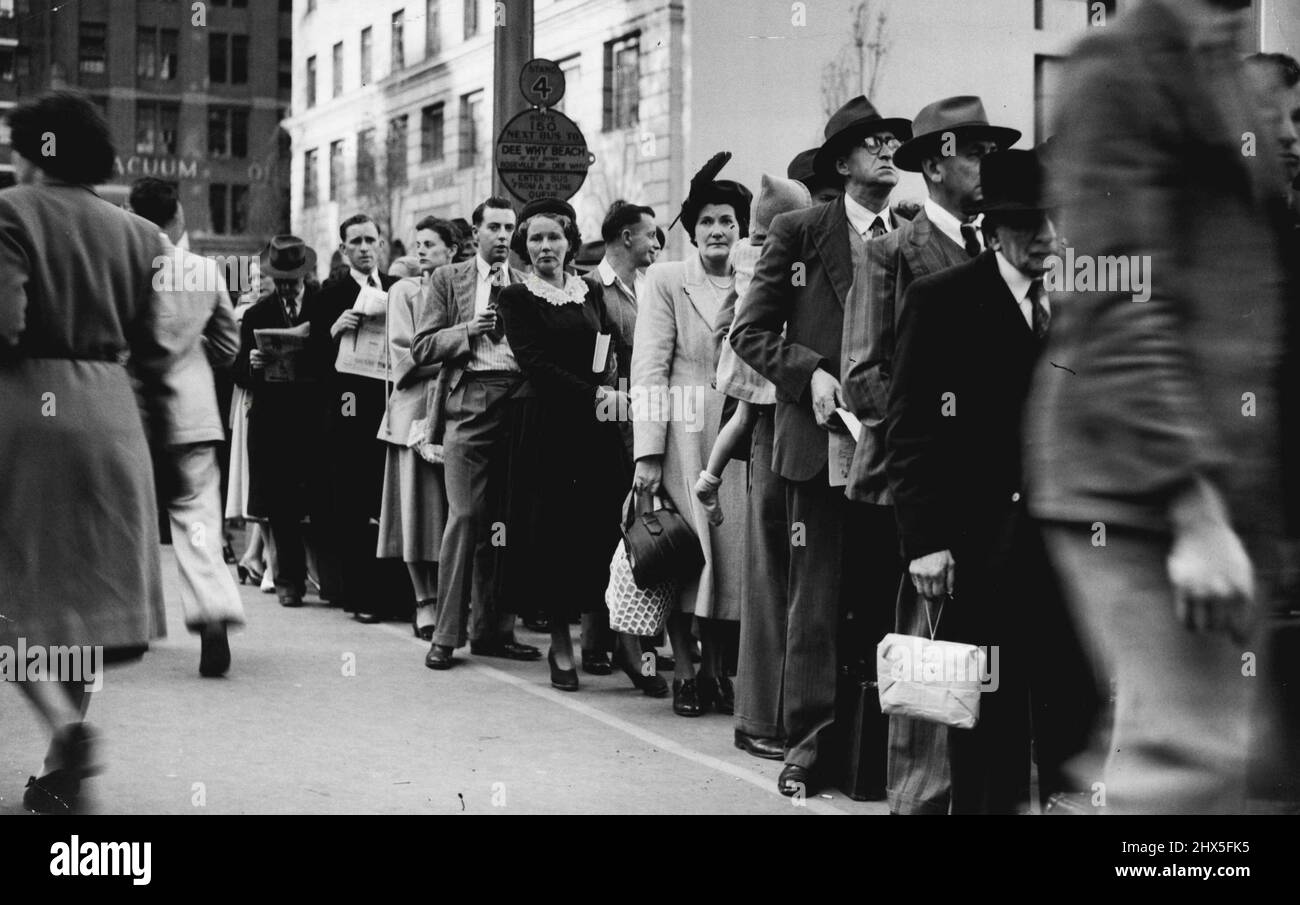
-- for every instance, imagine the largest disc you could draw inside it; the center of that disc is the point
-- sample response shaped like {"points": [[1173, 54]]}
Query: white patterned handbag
{"points": [[634, 610]]}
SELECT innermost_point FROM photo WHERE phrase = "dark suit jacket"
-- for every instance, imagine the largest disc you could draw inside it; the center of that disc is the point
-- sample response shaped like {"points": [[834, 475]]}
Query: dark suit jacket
{"points": [[954, 461], [808, 302], [286, 420], [356, 453], [890, 265], [1149, 162]]}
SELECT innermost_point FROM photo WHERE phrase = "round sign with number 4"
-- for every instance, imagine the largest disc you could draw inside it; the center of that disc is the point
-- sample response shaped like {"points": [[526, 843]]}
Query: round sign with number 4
{"points": [[542, 82]]}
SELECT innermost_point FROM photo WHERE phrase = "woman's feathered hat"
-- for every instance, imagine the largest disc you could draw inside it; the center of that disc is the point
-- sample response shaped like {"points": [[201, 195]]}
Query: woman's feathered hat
{"points": [[706, 188]]}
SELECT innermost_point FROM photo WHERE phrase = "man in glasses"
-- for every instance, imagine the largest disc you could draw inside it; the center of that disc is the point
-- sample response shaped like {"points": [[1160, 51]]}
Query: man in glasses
{"points": [[950, 138], [800, 286]]}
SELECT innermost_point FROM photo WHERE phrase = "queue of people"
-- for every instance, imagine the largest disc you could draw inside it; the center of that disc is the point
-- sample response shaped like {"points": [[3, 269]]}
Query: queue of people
{"points": [[932, 435]]}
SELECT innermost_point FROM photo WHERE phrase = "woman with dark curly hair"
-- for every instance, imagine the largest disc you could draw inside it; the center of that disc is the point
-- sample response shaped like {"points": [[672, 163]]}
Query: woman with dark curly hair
{"points": [[568, 475], [78, 517]]}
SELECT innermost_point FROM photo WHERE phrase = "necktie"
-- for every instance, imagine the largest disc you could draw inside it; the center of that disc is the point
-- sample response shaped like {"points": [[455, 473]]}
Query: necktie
{"points": [[494, 292], [970, 239], [877, 228], [291, 309], [1041, 311]]}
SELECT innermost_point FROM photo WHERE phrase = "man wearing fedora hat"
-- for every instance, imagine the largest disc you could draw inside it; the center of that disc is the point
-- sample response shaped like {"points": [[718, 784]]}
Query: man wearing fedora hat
{"points": [[285, 423], [823, 187], [949, 139], [968, 339], [789, 330]]}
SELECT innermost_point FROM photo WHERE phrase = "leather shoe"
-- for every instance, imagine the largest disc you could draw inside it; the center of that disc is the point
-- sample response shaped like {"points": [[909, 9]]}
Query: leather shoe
{"points": [[686, 698], [563, 679], [291, 600], [718, 693], [438, 657], [794, 780], [367, 618], [767, 748], [596, 663], [57, 792], [214, 651], [537, 622], [509, 650]]}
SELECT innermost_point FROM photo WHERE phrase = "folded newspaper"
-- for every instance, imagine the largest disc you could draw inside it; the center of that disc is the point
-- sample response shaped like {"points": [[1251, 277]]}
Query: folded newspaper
{"points": [[283, 349]]}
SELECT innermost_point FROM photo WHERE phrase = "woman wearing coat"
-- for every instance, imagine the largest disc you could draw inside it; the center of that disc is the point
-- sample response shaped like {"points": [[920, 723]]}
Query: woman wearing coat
{"points": [[414, 506], [79, 562], [676, 417]]}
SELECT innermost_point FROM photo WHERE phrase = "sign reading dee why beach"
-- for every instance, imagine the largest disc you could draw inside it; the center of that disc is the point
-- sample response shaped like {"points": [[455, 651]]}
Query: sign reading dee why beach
{"points": [[542, 154]]}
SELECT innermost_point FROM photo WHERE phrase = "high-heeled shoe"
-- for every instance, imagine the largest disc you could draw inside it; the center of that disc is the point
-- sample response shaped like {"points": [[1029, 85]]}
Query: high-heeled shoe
{"points": [[563, 679], [248, 573], [725, 702], [653, 685]]}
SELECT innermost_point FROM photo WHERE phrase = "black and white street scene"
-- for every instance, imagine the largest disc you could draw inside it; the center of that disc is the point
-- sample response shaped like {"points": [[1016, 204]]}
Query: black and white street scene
{"points": [[582, 407]]}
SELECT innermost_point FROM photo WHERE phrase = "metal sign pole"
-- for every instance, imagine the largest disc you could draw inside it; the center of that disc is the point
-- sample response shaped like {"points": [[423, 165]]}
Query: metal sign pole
{"points": [[513, 29]]}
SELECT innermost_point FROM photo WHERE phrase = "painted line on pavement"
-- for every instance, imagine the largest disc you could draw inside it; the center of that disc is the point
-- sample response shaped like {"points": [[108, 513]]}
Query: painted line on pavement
{"points": [[813, 804]]}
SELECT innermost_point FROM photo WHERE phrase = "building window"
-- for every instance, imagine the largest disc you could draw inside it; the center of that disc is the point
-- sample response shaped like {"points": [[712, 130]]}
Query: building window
{"points": [[227, 59], [8, 63], [336, 169], [471, 128], [366, 55], [311, 81], [156, 53], [365, 160], [239, 59], [397, 128], [399, 40], [227, 132], [432, 28], [218, 57], [284, 58], [228, 205], [431, 129], [338, 68], [310, 171], [471, 18], [622, 95], [92, 48], [156, 127]]}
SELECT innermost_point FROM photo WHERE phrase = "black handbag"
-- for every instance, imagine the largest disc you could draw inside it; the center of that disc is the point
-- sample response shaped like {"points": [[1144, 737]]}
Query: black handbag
{"points": [[661, 545]]}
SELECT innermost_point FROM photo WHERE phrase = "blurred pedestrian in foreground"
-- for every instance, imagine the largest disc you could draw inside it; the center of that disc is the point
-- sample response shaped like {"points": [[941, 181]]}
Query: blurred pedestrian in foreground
{"points": [[78, 518], [200, 322], [1153, 429]]}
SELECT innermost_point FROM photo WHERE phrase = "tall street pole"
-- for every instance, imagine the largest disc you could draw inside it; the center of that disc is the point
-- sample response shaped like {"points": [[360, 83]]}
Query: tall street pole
{"points": [[513, 30]]}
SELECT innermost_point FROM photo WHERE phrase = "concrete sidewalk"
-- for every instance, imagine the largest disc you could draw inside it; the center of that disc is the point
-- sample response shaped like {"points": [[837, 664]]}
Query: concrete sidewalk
{"points": [[322, 715]]}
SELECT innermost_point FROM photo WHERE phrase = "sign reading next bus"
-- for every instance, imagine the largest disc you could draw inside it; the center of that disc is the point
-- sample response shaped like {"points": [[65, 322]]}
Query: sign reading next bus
{"points": [[542, 154]]}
